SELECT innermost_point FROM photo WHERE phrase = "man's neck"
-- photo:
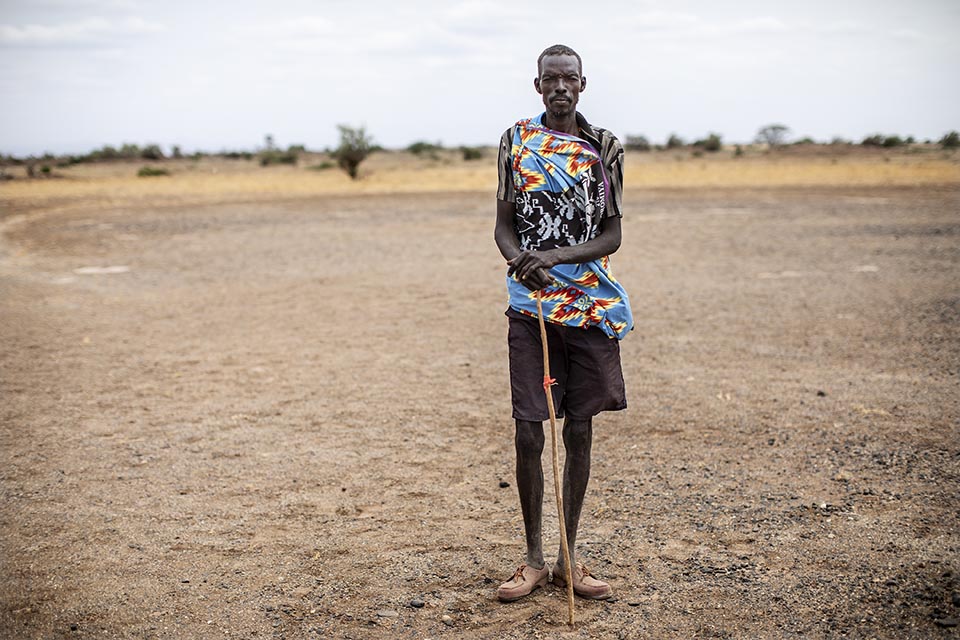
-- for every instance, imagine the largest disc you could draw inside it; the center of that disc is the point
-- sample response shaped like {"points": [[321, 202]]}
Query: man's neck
{"points": [[566, 123]]}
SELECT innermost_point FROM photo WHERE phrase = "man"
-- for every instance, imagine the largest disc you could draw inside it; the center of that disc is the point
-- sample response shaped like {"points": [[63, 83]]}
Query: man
{"points": [[558, 220]]}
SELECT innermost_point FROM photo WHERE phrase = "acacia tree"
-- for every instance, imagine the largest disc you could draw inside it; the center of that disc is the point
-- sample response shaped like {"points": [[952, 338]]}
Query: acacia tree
{"points": [[355, 146], [773, 134]]}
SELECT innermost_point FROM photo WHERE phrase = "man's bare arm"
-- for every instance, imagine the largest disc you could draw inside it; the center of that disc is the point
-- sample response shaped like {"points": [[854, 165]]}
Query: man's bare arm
{"points": [[509, 245], [524, 263]]}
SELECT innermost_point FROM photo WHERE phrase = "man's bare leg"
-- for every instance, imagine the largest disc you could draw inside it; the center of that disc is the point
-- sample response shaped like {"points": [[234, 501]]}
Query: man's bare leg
{"points": [[529, 444], [577, 443], [577, 440]]}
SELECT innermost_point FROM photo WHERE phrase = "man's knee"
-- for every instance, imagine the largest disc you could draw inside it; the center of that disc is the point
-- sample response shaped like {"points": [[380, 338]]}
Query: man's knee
{"points": [[529, 438], [577, 435]]}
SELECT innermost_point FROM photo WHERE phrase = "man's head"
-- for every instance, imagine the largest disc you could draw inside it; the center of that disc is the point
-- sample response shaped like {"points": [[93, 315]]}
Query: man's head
{"points": [[560, 79]]}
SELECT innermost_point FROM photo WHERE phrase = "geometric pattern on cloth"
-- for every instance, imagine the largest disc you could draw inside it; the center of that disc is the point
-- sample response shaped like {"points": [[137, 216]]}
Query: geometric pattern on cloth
{"points": [[563, 174]]}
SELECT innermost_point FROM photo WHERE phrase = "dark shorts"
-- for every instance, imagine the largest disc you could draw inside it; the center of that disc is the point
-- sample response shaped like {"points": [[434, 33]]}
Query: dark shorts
{"points": [[584, 362]]}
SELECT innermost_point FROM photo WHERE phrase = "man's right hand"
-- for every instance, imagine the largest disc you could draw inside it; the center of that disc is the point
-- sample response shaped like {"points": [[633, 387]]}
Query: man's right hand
{"points": [[538, 279]]}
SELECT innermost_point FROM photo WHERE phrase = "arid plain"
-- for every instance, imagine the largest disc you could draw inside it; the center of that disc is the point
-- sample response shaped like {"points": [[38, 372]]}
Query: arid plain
{"points": [[245, 402]]}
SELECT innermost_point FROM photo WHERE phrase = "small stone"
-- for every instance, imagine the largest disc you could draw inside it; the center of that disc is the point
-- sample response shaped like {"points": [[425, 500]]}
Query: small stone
{"points": [[956, 598], [634, 603], [417, 603], [822, 394], [946, 623], [447, 620], [387, 613], [504, 484], [73, 627]]}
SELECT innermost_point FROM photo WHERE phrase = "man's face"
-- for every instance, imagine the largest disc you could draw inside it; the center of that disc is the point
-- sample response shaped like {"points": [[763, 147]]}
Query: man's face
{"points": [[560, 84]]}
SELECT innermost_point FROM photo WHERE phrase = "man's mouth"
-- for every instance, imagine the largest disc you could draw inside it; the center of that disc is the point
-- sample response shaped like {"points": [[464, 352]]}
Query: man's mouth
{"points": [[561, 99]]}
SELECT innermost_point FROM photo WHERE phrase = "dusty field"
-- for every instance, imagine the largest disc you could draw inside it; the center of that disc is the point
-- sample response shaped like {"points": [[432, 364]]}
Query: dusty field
{"points": [[288, 417]]}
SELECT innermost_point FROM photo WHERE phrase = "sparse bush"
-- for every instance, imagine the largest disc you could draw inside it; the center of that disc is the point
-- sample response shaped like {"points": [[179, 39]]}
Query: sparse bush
{"points": [[805, 140], [354, 148], [176, 152], [876, 140], [737, 151], [675, 141], [129, 151], [950, 140], [237, 155], [422, 147], [323, 166], [268, 158], [152, 152], [637, 143], [297, 148], [713, 142], [45, 170], [893, 141], [773, 135], [837, 140], [149, 172], [471, 153]]}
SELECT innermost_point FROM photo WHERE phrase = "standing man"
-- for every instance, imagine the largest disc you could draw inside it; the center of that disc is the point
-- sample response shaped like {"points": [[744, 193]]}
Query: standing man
{"points": [[558, 220]]}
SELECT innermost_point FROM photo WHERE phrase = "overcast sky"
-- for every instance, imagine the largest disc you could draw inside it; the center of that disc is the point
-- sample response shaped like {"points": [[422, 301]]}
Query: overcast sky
{"points": [[77, 74]]}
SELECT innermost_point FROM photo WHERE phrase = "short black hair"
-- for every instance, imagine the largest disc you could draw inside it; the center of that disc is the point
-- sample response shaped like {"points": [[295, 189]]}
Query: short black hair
{"points": [[558, 50]]}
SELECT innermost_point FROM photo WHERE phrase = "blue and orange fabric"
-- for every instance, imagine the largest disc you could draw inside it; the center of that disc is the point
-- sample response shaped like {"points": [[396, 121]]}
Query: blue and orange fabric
{"points": [[581, 295]]}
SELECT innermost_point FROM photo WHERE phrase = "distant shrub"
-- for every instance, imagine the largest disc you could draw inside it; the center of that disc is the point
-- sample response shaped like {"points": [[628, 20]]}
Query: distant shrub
{"points": [[837, 140], [737, 151], [910, 140], [711, 143], [235, 155], [675, 141], [128, 150], [152, 152], [323, 166], [268, 158], [773, 135], [471, 153], [950, 140], [45, 169], [355, 146], [297, 148], [149, 172], [698, 153], [805, 140], [876, 140], [637, 143], [176, 152], [893, 141], [422, 147]]}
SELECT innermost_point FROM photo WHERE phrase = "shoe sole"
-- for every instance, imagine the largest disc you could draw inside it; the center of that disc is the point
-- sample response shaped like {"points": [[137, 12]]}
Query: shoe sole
{"points": [[520, 597], [605, 596]]}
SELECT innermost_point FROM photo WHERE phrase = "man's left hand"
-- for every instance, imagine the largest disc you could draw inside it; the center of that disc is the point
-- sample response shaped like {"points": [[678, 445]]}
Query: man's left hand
{"points": [[527, 263]]}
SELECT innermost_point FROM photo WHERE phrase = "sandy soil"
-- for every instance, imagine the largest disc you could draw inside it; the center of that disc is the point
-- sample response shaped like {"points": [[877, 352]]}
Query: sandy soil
{"points": [[290, 419]]}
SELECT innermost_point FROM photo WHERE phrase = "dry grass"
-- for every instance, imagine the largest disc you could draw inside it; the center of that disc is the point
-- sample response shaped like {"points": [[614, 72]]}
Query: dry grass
{"points": [[215, 180]]}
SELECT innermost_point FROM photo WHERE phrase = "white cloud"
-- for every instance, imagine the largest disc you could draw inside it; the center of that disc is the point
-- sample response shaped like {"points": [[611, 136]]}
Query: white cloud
{"points": [[89, 31]]}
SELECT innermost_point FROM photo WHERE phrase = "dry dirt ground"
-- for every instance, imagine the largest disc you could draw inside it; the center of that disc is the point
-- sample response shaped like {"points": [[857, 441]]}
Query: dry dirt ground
{"points": [[290, 419]]}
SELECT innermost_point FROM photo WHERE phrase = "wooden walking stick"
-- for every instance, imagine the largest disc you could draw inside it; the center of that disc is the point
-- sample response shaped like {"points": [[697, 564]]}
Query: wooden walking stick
{"points": [[547, 382]]}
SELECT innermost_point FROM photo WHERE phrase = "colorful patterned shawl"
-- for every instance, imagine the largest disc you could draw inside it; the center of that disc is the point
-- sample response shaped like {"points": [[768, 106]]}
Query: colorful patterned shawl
{"points": [[582, 295]]}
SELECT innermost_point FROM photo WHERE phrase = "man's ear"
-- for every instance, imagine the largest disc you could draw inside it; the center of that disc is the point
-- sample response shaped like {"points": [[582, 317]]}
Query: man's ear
{"points": [[583, 82], [536, 85]]}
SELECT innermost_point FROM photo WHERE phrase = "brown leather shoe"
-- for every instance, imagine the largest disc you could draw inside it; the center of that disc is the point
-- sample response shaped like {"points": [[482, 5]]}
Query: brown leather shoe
{"points": [[584, 584], [524, 581]]}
